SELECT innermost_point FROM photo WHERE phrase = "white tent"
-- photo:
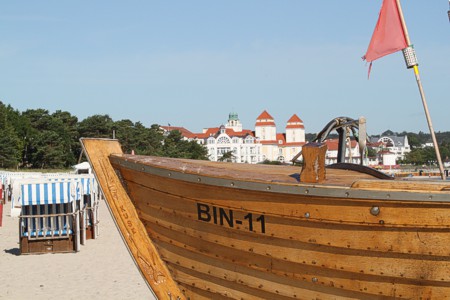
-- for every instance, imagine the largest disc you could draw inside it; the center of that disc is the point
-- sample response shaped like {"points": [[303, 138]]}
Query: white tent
{"points": [[83, 168]]}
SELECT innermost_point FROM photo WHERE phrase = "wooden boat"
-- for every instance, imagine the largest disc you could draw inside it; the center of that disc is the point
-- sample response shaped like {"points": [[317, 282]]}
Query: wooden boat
{"points": [[205, 230]]}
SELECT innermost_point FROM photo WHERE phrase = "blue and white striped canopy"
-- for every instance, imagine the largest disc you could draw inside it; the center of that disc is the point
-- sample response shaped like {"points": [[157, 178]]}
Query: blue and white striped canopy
{"points": [[87, 181], [49, 193]]}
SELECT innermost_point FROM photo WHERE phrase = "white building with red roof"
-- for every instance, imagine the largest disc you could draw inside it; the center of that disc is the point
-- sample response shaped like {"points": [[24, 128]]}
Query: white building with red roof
{"points": [[184, 132], [230, 140], [242, 144], [352, 154], [247, 146], [279, 146]]}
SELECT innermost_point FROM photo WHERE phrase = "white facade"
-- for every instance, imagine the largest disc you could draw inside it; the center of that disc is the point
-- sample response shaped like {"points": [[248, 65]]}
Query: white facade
{"points": [[279, 146], [231, 139], [294, 135], [272, 153], [397, 145], [389, 159], [246, 146], [244, 149], [266, 132]]}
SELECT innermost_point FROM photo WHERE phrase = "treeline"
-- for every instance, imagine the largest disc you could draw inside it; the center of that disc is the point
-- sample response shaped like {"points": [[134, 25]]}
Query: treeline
{"points": [[421, 155], [36, 138]]}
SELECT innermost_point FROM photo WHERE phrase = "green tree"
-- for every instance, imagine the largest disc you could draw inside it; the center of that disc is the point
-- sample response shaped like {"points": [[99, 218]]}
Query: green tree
{"points": [[10, 145], [138, 138], [175, 146], [125, 133], [49, 151], [149, 141], [51, 141], [371, 152], [99, 126], [66, 128], [413, 140], [388, 132], [421, 156], [227, 157]]}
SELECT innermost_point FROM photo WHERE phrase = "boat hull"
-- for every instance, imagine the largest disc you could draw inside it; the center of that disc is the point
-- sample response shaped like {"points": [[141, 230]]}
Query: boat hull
{"points": [[242, 239]]}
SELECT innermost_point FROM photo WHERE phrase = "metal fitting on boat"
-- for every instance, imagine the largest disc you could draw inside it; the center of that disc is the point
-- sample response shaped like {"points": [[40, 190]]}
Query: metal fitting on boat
{"points": [[410, 57], [375, 210]]}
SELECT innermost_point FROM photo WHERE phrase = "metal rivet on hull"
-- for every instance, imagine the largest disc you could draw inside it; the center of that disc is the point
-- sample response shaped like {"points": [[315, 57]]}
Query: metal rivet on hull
{"points": [[374, 210]]}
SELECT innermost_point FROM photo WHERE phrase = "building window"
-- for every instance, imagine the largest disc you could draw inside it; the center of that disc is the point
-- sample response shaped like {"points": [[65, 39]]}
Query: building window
{"points": [[222, 151], [223, 140]]}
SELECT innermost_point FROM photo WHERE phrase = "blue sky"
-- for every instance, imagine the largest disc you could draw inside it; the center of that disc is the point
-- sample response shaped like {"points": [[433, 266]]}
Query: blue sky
{"points": [[191, 63]]}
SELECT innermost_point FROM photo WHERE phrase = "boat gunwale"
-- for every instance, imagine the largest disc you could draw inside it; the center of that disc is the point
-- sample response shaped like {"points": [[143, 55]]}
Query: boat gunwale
{"points": [[317, 190]]}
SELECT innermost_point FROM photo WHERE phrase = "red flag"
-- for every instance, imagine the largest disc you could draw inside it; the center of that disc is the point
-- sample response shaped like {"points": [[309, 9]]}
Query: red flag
{"points": [[388, 36]]}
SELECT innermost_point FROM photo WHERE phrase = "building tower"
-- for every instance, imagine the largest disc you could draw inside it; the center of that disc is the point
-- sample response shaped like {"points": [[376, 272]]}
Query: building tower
{"points": [[234, 122], [265, 128], [266, 131], [295, 130]]}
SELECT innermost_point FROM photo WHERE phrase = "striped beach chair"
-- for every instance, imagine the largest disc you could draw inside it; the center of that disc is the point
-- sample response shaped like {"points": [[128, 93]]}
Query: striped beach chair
{"points": [[89, 202], [14, 182], [50, 217]]}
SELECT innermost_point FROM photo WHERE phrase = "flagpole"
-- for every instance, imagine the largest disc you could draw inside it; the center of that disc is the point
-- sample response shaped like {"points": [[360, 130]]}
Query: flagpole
{"points": [[422, 95]]}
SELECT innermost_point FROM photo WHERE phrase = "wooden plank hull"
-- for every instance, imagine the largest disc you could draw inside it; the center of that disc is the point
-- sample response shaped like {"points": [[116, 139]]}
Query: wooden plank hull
{"points": [[225, 236]]}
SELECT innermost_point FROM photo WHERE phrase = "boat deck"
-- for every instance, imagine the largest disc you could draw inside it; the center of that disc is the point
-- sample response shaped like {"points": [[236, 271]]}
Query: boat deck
{"points": [[246, 172], [284, 174]]}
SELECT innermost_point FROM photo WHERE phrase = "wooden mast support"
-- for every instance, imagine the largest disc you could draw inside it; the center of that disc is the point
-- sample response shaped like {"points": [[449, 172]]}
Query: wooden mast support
{"points": [[314, 162], [127, 220], [422, 95]]}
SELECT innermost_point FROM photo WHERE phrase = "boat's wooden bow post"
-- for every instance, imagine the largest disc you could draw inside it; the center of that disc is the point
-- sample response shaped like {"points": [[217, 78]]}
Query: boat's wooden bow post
{"points": [[313, 162], [133, 231]]}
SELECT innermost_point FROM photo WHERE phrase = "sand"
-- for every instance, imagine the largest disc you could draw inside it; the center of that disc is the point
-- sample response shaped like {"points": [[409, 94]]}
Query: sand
{"points": [[103, 269]]}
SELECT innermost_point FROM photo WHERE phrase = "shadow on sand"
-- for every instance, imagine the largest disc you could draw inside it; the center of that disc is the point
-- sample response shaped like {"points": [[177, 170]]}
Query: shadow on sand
{"points": [[13, 251]]}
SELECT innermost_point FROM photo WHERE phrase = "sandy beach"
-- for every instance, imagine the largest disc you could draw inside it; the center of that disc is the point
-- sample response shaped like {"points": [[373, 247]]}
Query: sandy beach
{"points": [[103, 269]]}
